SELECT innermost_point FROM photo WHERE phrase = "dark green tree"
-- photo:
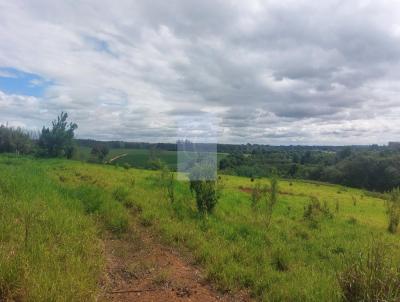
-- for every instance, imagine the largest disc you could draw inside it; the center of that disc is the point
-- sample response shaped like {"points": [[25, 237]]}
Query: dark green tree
{"points": [[15, 140], [58, 141], [100, 151], [204, 185]]}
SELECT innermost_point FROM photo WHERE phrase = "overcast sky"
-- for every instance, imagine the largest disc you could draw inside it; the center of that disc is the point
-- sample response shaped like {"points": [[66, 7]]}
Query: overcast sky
{"points": [[273, 72]]}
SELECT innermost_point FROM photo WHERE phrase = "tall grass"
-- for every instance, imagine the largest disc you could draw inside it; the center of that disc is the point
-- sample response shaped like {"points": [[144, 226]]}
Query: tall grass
{"points": [[48, 247], [372, 276], [290, 262]]}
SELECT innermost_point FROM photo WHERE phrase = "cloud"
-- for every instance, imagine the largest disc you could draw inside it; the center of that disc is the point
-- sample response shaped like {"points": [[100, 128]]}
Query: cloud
{"points": [[275, 72]]}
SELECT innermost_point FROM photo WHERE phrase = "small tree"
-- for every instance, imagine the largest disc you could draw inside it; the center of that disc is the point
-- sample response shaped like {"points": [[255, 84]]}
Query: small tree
{"points": [[393, 210], [58, 141], [100, 151], [167, 179], [204, 185], [256, 194], [271, 200]]}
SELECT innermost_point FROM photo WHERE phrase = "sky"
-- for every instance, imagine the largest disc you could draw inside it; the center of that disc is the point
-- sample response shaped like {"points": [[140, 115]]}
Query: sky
{"points": [[268, 72]]}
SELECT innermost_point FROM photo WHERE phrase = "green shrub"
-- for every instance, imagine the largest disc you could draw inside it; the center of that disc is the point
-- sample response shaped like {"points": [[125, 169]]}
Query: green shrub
{"points": [[256, 194], [372, 276], [393, 210], [271, 200], [205, 187], [315, 209], [167, 181]]}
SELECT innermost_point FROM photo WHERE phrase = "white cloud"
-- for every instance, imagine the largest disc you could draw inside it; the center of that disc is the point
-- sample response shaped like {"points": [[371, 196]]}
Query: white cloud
{"points": [[274, 72]]}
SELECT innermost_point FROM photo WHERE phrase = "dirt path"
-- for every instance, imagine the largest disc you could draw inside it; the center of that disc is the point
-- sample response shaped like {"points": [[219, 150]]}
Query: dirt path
{"points": [[140, 269], [117, 157]]}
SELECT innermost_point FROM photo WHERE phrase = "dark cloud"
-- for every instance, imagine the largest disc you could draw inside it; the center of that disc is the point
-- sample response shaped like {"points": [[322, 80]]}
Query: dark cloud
{"points": [[268, 71]]}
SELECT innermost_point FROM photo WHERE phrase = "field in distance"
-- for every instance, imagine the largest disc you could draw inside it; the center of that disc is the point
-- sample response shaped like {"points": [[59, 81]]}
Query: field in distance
{"points": [[139, 158]]}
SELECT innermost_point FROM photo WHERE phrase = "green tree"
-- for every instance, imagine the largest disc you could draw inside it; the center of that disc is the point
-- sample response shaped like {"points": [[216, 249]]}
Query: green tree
{"points": [[58, 141], [271, 199], [167, 181], [100, 151], [15, 140], [204, 185]]}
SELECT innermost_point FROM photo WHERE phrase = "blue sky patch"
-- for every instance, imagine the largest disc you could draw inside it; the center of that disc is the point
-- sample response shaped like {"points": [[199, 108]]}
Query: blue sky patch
{"points": [[98, 45], [14, 81]]}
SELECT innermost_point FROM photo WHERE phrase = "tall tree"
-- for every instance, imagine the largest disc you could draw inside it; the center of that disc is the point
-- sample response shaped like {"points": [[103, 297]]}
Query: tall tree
{"points": [[58, 141]]}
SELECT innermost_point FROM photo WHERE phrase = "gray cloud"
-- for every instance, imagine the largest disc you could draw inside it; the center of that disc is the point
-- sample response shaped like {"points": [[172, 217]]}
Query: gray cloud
{"points": [[277, 72]]}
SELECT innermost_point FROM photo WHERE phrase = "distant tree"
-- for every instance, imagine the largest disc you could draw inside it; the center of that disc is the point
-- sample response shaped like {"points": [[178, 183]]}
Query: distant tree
{"points": [[344, 153], [15, 140], [293, 170], [58, 141], [306, 158], [100, 151]]}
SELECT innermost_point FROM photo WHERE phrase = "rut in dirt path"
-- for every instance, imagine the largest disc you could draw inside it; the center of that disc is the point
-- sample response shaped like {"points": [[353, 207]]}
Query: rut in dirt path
{"points": [[141, 269]]}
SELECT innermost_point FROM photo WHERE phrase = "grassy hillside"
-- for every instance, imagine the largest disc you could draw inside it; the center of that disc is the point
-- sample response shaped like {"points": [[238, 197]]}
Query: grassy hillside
{"points": [[296, 259]]}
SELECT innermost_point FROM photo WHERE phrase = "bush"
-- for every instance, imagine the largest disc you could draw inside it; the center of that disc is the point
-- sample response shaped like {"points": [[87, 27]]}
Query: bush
{"points": [[371, 277], [393, 210], [167, 180], [205, 187], [314, 210], [256, 194], [271, 200], [99, 152], [15, 140]]}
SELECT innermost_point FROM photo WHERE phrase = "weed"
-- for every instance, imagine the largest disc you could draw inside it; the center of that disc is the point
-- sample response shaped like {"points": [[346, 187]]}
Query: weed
{"points": [[121, 194], [393, 210], [372, 276], [352, 220], [315, 210], [280, 260], [354, 199]]}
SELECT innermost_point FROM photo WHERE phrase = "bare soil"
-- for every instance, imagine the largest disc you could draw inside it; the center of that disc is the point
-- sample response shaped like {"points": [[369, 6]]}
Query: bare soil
{"points": [[141, 269]]}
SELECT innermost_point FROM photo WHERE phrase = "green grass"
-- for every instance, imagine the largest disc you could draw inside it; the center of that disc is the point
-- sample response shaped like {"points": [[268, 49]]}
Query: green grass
{"points": [[49, 233], [296, 259], [138, 158]]}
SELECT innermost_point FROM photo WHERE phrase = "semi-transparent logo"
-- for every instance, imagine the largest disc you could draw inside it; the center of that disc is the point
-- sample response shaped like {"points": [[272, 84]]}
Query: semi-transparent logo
{"points": [[197, 147]]}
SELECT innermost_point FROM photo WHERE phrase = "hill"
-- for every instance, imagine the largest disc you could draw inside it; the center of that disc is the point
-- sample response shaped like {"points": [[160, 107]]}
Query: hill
{"points": [[56, 215]]}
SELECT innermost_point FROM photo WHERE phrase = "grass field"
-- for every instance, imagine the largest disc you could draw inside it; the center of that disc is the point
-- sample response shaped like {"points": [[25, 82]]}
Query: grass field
{"points": [[53, 213], [138, 158]]}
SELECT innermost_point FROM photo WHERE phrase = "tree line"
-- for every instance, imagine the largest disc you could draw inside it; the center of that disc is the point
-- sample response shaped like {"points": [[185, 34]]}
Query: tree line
{"points": [[55, 141], [372, 168]]}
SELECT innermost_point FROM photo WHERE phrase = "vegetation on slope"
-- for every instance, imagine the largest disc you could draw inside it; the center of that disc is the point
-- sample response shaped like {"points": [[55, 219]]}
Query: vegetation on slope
{"points": [[314, 231], [49, 235], [295, 259]]}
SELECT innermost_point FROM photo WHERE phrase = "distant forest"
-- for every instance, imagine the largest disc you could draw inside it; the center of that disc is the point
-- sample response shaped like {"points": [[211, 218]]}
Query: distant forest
{"points": [[373, 167]]}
